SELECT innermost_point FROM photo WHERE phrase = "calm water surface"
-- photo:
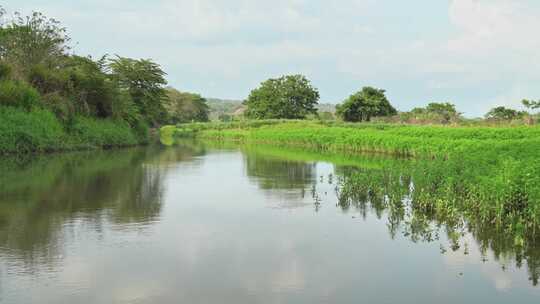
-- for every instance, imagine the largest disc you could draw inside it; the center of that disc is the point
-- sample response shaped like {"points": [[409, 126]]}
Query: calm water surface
{"points": [[194, 224]]}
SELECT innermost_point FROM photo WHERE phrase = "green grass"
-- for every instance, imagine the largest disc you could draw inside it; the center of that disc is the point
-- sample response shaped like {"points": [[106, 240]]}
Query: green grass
{"points": [[39, 130], [489, 174]]}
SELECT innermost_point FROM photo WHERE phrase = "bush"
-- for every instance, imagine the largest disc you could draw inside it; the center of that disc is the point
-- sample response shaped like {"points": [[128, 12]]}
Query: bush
{"points": [[142, 131], [102, 132], [18, 94], [5, 71], [22, 131], [61, 106]]}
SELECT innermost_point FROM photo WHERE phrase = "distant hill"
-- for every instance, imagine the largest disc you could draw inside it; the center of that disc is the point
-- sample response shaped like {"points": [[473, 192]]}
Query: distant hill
{"points": [[222, 106], [230, 107], [327, 107]]}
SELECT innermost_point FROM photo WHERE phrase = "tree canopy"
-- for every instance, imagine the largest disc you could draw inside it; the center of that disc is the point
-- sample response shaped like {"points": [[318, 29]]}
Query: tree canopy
{"points": [[363, 105], [186, 107], [503, 113], [441, 112], [531, 104], [145, 81], [31, 40], [287, 97]]}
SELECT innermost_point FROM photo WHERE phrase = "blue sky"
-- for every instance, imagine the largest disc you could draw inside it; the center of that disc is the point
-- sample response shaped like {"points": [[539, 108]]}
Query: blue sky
{"points": [[474, 53]]}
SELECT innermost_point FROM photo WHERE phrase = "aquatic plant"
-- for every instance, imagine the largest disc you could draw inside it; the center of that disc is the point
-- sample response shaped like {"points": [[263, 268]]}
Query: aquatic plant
{"points": [[489, 174]]}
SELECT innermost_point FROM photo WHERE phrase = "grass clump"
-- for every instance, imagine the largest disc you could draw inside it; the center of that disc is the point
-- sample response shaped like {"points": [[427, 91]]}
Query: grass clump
{"points": [[37, 130]]}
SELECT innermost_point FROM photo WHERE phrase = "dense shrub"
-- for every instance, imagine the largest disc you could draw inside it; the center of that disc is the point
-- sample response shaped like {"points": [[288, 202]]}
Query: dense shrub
{"points": [[18, 94], [102, 132], [5, 71], [61, 106], [22, 131]]}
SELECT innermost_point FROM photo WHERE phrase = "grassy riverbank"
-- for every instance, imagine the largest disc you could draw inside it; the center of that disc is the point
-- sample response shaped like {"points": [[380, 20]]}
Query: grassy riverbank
{"points": [[491, 175], [39, 130]]}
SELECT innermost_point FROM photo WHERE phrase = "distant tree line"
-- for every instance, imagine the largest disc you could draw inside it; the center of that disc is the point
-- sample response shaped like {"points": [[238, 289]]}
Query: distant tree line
{"points": [[293, 97]]}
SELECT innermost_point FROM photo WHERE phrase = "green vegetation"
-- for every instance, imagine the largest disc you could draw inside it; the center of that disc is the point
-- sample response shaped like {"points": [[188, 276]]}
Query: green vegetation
{"points": [[531, 104], [51, 99], [186, 107], [491, 174], [364, 105], [442, 113], [287, 97], [397, 190], [503, 113]]}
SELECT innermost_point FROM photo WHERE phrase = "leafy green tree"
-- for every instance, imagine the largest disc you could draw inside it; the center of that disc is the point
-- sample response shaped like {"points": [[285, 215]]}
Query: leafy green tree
{"points": [[503, 113], [80, 80], [287, 97], [445, 109], [364, 105], [531, 104], [31, 40], [435, 112], [186, 107], [145, 81]]}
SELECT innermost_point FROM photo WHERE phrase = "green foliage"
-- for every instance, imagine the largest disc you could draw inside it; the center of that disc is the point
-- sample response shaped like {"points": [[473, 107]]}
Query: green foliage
{"points": [[503, 113], [32, 40], [225, 117], [5, 71], [81, 81], [100, 100], [186, 107], [102, 132], [531, 104], [61, 106], [22, 131], [145, 81], [440, 113], [327, 116], [18, 94], [364, 105], [287, 97]]}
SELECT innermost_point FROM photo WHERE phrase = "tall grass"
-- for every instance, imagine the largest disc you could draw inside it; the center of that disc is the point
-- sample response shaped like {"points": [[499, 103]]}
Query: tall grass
{"points": [[492, 174], [39, 130]]}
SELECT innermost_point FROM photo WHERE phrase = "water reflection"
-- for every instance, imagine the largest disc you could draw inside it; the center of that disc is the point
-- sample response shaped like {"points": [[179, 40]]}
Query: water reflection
{"points": [[192, 224], [385, 187], [288, 181], [42, 197]]}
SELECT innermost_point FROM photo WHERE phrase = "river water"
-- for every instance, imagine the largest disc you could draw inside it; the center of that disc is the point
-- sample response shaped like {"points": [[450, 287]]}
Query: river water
{"points": [[201, 224]]}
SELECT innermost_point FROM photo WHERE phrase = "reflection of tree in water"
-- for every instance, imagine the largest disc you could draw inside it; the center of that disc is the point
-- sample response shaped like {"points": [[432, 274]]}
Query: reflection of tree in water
{"points": [[391, 193], [272, 173], [292, 179], [40, 197]]}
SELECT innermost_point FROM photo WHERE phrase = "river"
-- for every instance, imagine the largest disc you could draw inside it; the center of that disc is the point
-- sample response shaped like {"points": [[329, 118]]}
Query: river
{"points": [[202, 223]]}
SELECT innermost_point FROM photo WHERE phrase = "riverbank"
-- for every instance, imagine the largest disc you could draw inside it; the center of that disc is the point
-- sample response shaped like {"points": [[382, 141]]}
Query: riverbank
{"points": [[40, 131], [488, 175]]}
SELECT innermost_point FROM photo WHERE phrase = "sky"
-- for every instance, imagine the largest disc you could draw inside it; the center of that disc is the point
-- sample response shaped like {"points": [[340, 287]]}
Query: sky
{"points": [[476, 54]]}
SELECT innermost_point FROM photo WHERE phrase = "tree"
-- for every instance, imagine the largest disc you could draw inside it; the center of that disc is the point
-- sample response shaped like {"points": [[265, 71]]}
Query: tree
{"points": [[364, 105], [503, 113], [144, 80], [287, 97], [31, 40], [531, 104], [186, 107], [445, 109]]}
